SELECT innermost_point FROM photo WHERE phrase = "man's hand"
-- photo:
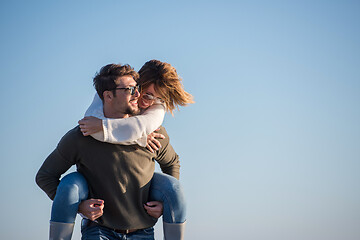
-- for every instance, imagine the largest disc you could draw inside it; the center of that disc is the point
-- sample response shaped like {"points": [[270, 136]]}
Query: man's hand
{"points": [[154, 208], [152, 143], [90, 125], [91, 208]]}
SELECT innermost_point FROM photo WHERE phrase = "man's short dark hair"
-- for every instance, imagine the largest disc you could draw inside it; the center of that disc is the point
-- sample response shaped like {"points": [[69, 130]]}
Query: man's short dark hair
{"points": [[105, 79]]}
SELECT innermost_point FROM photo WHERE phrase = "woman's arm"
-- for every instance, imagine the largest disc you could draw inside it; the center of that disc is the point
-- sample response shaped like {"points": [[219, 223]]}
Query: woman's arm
{"points": [[132, 130]]}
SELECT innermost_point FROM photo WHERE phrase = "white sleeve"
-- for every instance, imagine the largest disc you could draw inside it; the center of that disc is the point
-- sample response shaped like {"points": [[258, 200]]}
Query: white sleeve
{"points": [[126, 131], [134, 130], [96, 110]]}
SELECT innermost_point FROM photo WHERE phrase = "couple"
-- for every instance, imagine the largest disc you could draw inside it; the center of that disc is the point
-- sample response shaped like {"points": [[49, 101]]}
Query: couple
{"points": [[115, 187]]}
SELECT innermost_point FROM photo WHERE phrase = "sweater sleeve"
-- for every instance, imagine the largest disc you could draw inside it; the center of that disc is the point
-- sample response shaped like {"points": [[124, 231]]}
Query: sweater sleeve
{"points": [[167, 158], [57, 163], [126, 131]]}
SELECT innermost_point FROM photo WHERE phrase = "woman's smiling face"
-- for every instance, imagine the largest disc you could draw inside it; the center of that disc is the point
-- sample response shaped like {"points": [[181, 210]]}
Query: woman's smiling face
{"points": [[144, 102]]}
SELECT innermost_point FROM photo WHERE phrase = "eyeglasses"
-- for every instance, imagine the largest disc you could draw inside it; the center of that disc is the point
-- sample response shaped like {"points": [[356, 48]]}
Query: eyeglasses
{"points": [[131, 89], [149, 97]]}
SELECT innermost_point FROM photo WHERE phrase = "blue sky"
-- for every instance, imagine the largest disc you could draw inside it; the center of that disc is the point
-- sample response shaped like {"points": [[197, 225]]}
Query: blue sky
{"points": [[271, 148]]}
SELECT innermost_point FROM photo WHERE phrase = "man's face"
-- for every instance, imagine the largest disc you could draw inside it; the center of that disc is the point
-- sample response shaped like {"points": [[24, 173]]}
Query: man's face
{"points": [[124, 102]]}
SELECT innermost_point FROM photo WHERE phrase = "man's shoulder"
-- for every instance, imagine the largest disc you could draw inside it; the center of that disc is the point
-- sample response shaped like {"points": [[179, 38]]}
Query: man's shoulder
{"points": [[72, 134], [163, 131], [166, 140]]}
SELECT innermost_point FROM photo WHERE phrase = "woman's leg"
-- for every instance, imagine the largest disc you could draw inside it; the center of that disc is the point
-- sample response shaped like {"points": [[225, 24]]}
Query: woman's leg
{"points": [[71, 191], [167, 189]]}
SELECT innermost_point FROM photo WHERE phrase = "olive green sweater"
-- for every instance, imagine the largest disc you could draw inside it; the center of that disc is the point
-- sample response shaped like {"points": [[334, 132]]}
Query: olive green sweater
{"points": [[118, 174]]}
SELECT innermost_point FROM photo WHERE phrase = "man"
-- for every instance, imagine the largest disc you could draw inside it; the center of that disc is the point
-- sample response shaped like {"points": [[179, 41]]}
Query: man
{"points": [[118, 175]]}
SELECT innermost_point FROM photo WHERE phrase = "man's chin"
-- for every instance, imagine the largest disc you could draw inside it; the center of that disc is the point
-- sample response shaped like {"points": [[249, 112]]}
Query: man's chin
{"points": [[137, 111], [133, 111]]}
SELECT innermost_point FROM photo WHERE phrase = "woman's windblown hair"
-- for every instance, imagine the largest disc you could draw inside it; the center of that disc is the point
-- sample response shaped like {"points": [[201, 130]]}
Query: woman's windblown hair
{"points": [[167, 83]]}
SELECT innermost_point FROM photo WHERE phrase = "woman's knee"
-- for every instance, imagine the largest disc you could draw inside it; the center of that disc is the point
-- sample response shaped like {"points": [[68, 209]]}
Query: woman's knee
{"points": [[73, 184], [169, 190], [166, 183]]}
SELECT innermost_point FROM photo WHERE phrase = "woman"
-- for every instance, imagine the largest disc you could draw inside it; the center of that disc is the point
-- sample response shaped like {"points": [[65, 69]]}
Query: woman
{"points": [[161, 90]]}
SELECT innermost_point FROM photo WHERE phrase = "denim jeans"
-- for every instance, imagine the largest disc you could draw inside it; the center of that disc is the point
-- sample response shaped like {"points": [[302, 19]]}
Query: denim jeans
{"points": [[167, 189], [103, 233], [73, 189]]}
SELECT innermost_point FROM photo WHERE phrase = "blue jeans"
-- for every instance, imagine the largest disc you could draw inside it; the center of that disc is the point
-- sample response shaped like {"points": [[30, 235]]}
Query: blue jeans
{"points": [[73, 189], [167, 189], [103, 233]]}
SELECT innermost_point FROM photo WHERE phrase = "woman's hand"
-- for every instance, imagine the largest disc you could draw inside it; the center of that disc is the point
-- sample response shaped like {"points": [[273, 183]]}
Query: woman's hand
{"points": [[152, 143], [154, 208], [90, 125]]}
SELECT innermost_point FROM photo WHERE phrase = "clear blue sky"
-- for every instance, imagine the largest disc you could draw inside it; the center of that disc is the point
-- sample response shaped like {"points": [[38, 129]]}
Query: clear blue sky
{"points": [[270, 150]]}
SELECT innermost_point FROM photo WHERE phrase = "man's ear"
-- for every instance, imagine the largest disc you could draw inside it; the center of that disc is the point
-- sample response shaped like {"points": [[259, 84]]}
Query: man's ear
{"points": [[108, 96]]}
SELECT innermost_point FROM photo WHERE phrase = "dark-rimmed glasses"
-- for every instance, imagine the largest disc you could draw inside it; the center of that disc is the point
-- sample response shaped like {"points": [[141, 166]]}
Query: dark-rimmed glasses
{"points": [[131, 89]]}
